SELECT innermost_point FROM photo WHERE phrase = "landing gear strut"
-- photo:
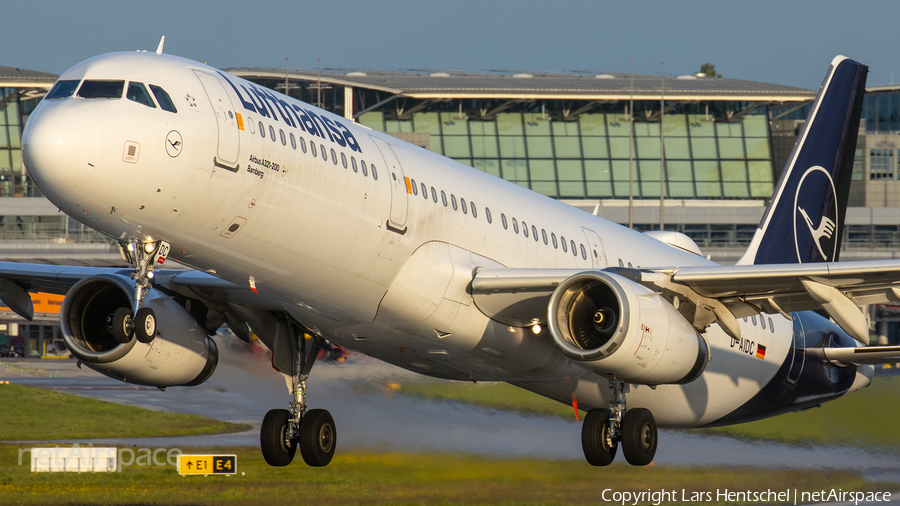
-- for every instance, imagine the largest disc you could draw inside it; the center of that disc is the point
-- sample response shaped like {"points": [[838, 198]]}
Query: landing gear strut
{"points": [[313, 430], [139, 322], [603, 429]]}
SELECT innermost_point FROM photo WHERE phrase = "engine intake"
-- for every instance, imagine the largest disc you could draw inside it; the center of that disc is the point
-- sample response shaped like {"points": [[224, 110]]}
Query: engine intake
{"points": [[619, 328], [181, 353]]}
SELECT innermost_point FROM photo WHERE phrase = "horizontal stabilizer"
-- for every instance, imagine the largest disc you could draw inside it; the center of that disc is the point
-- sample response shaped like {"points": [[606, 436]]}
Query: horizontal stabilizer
{"points": [[859, 356]]}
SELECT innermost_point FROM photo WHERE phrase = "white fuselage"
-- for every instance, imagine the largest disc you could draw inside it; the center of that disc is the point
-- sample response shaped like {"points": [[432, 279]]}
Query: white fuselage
{"points": [[376, 265]]}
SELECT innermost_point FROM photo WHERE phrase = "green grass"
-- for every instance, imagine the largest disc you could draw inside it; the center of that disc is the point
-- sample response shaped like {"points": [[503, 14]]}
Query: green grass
{"points": [[864, 418], [395, 478], [31, 414]]}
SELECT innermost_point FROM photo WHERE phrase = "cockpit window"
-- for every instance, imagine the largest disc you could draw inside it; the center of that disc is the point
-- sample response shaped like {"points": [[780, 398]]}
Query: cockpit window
{"points": [[63, 89], [137, 92], [165, 103], [101, 89]]}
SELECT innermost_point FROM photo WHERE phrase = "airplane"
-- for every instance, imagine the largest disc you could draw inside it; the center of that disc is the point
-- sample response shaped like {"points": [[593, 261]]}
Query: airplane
{"points": [[302, 226]]}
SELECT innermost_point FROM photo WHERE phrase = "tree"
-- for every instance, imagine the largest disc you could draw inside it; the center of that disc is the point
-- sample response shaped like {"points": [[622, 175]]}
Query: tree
{"points": [[709, 69]]}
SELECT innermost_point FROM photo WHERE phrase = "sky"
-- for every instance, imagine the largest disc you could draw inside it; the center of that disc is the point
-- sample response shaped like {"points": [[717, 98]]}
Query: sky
{"points": [[788, 42]]}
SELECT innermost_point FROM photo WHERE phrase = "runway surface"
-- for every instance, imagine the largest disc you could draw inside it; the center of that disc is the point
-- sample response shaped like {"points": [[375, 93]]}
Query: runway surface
{"points": [[245, 386]]}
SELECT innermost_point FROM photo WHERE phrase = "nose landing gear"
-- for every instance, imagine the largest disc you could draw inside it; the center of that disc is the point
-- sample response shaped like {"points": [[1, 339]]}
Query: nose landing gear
{"points": [[139, 322], [313, 431], [603, 429]]}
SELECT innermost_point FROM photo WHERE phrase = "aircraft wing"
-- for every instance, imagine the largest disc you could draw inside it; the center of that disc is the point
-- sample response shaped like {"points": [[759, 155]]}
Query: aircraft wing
{"points": [[869, 282], [520, 296], [839, 288], [17, 279]]}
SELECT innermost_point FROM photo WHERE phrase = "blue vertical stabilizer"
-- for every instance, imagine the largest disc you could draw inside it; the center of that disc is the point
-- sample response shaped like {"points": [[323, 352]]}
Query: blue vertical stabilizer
{"points": [[805, 219]]}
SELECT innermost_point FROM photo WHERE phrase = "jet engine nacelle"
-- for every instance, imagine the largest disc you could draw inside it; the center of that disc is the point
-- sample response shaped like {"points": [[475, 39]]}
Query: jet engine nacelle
{"points": [[180, 354], [619, 328]]}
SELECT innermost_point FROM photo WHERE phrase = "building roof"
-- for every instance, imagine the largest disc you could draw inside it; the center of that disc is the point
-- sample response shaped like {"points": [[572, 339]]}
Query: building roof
{"points": [[11, 77], [540, 85]]}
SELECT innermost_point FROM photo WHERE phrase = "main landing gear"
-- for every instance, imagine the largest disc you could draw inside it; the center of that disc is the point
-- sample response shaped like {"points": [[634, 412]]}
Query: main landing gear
{"points": [[313, 430], [138, 321], [603, 429]]}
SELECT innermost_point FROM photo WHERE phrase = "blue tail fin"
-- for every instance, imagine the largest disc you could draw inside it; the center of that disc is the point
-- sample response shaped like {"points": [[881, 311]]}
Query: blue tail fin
{"points": [[805, 218]]}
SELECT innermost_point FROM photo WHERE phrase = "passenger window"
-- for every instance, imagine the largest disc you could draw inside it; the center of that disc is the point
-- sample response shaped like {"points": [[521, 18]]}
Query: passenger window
{"points": [[475, 211], [413, 186], [524, 229], [553, 238], [424, 191], [293, 140], [444, 198], [503, 220], [344, 160], [771, 326], [63, 89], [101, 89], [453, 201], [303, 144], [324, 153], [753, 318], [544, 236], [355, 168], [137, 92], [575, 253], [312, 147], [333, 156], [433, 195], [165, 103], [534, 233], [487, 214], [462, 202], [272, 133], [515, 226], [365, 169], [562, 242], [584, 253], [262, 130], [283, 138], [762, 321], [374, 172]]}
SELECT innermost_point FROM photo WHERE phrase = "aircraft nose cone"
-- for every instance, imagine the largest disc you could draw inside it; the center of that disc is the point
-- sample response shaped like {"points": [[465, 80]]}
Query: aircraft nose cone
{"points": [[61, 146]]}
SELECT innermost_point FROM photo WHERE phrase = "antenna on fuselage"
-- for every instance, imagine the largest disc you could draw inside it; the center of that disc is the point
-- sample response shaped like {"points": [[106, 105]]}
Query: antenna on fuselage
{"points": [[159, 48]]}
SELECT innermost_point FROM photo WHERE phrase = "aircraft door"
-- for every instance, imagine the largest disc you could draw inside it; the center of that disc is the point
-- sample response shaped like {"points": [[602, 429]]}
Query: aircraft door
{"points": [[229, 138], [595, 248], [399, 187]]}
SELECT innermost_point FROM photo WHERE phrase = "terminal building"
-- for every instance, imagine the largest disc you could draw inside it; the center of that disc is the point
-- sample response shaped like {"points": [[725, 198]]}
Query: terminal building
{"points": [[611, 144]]}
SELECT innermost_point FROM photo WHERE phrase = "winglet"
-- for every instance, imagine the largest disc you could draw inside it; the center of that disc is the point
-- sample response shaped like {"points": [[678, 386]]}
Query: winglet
{"points": [[805, 218], [162, 41]]}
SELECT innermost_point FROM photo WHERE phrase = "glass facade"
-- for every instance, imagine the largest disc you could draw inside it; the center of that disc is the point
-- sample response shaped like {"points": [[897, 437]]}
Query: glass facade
{"points": [[13, 112], [588, 157], [14, 182]]}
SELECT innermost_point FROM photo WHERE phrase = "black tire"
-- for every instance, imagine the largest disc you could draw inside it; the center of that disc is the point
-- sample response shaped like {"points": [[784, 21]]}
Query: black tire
{"points": [[318, 437], [639, 436], [271, 438], [121, 325], [593, 438], [145, 325]]}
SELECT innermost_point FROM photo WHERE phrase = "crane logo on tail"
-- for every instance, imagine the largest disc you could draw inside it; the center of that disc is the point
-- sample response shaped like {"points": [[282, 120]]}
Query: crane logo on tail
{"points": [[815, 210], [825, 229]]}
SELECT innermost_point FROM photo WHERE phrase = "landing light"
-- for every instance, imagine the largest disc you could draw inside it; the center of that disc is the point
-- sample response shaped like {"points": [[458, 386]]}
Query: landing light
{"points": [[536, 329], [149, 247]]}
